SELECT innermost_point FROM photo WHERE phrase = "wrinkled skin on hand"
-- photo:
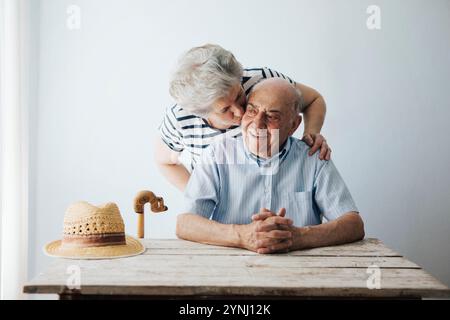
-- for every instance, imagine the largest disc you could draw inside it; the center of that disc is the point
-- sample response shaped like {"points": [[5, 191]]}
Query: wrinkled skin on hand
{"points": [[316, 141], [269, 232]]}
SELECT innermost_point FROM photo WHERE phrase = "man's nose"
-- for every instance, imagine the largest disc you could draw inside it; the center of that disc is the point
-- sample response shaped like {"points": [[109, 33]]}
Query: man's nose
{"points": [[259, 121]]}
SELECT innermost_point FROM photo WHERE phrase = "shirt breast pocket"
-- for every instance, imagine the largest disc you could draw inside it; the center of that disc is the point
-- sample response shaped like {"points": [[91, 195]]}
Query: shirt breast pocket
{"points": [[300, 208]]}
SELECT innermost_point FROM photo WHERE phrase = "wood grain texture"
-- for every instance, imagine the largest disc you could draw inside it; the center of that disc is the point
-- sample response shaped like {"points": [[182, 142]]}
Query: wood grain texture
{"points": [[182, 268], [366, 247]]}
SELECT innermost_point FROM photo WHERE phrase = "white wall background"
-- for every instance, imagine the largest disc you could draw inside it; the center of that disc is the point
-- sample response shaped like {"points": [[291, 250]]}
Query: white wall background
{"points": [[103, 90]]}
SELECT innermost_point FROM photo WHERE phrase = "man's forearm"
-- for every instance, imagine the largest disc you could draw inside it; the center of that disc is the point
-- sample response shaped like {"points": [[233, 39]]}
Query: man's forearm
{"points": [[314, 115], [199, 229], [177, 174], [346, 229]]}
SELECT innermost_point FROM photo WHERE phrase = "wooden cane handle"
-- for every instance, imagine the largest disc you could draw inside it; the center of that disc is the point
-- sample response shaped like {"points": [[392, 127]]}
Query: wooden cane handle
{"points": [[157, 205], [141, 223], [141, 199]]}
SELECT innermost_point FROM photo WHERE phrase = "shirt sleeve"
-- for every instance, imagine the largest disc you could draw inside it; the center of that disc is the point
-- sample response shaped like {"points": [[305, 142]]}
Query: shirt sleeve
{"points": [[170, 131], [271, 73], [202, 191], [331, 194]]}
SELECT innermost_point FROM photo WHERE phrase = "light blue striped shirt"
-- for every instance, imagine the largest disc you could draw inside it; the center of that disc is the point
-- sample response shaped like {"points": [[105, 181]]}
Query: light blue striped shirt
{"points": [[229, 184]]}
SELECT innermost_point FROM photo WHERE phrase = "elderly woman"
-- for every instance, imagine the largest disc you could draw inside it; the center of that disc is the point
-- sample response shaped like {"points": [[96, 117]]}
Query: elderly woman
{"points": [[210, 88]]}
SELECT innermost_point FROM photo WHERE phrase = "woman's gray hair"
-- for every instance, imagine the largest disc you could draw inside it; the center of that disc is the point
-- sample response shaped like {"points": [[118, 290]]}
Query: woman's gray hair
{"points": [[203, 75]]}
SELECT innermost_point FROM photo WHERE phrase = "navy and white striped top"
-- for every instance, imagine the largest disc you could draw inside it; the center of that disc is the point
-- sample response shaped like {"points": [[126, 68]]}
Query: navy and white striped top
{"points": [[228, 185], [183, 131]]}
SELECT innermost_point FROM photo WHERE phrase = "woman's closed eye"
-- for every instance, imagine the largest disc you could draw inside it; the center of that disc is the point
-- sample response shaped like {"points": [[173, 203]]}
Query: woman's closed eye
{"points": [[224, 110]]}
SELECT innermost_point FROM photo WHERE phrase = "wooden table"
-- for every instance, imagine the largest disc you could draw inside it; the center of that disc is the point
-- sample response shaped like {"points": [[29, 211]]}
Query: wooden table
{"points": [[181, 269]]}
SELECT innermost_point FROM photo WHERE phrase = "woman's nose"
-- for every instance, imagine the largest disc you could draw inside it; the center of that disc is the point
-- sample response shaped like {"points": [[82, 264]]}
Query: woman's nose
{"points": [[238, 111]]}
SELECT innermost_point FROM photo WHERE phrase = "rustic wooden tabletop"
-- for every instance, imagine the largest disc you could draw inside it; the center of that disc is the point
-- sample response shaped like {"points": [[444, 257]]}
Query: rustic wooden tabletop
{"points": [[180, 269]]}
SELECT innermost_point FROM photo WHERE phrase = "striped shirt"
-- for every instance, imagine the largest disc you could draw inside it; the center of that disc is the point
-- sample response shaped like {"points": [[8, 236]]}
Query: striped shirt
{"points": [[228, 185], [183, 131]]}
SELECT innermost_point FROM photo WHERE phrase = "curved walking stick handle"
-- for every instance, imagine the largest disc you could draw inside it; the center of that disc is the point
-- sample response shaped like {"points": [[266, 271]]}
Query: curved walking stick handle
{"points": [[156, 204]]}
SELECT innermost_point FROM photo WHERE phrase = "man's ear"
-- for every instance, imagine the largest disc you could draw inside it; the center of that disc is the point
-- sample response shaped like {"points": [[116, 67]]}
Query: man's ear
{"points": [[295, 124]]}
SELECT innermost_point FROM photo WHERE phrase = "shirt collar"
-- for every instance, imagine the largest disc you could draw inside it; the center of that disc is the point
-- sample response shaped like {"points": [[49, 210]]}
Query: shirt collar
{"points": [[261, 162]]}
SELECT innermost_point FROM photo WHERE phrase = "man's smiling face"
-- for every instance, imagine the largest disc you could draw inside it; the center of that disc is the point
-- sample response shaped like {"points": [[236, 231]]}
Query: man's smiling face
{"points": [[270, 117]]}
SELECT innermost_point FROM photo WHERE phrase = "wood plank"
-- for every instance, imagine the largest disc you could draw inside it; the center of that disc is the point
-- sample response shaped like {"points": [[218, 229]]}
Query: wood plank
{"points": [[366, 247], [200, 261], [345, 282], [176, 267]]}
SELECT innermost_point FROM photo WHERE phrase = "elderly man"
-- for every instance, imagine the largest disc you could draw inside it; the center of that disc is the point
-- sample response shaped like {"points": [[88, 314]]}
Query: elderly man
{"points": [[261, 191]]}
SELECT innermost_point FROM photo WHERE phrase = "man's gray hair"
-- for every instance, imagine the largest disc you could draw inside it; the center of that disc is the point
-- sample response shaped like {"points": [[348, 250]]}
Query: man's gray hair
{"points": [[203, 75], [298, 103]]}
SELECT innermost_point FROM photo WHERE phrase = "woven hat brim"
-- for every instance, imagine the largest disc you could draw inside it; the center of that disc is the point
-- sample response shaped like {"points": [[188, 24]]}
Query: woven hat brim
{"points": [[133, 247]]}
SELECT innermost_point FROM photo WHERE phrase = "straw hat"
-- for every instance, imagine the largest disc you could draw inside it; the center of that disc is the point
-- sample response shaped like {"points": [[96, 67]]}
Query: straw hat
{"points": [[92, 232]]}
